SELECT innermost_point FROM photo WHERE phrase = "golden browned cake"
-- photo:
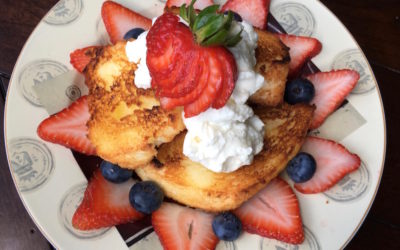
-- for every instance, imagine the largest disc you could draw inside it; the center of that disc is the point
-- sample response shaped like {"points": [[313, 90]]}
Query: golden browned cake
{"points": [[194, 185], [273, 63], [126, 122]]}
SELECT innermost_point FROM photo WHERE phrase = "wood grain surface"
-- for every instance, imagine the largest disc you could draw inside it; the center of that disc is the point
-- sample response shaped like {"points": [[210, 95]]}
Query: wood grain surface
{"points": [[374, 24]]}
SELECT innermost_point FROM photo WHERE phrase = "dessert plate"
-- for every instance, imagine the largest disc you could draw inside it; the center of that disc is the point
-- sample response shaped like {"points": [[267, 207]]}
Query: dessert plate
{"points": [[49, 177]]}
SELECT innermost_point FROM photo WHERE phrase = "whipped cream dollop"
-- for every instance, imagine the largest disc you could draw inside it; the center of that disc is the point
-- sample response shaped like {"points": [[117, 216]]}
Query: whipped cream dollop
{"points": [[136, 51], [225, 139]]}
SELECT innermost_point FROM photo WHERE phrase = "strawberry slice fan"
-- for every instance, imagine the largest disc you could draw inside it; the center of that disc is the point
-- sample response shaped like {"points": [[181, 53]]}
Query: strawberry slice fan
{"points": [[68, 128]]}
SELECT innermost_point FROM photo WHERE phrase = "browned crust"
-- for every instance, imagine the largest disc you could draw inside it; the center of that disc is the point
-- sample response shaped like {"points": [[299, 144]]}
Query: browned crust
{"points": [[126, 122], [193, 185], [273, 63]]}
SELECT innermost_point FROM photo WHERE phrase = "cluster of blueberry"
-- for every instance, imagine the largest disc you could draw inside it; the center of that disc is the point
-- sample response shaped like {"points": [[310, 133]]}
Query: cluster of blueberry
{"points": [[147, 197], [302, 167]]}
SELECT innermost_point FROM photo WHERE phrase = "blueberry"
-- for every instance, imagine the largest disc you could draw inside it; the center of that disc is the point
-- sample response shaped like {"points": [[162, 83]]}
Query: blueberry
{"points": [[236, 16], [146, 196], [114, 173], [133, 33], [301, 168], [227, 226], [299, 90]]}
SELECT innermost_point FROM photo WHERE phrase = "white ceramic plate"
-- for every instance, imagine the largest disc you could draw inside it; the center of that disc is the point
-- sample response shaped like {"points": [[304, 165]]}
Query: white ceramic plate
{"points": [[51, 184]]}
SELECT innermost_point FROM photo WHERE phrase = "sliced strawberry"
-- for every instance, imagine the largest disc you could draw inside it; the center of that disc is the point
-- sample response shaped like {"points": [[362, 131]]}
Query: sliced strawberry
{"points": [[274, 213], [79, 58], [119, 20], [334, 161], [189, 77], [105, 204], [170, 48], [168, 103], [68, 127], [179, 81], [301, 49], [229, 77], [199, 4], [181, 228], [252, 11], [205, 100], [331, 88]]}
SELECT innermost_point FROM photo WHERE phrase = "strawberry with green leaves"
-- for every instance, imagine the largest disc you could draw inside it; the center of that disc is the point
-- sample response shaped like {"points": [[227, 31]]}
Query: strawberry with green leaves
{"points": [[189, 65]]}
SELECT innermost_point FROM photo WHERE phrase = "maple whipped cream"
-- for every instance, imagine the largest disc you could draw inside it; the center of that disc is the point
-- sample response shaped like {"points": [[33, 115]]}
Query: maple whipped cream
{"points": [[223, 139]]}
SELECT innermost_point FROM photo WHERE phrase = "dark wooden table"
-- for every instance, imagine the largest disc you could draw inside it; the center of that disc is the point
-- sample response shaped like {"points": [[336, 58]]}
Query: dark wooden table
{"points": [[375, 25]]}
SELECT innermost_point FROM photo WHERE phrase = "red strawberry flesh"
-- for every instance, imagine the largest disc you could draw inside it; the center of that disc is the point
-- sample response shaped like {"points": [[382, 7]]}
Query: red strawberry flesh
{"points": [[181, 228], [199, 4], [68, 127], [105, 204], [274, 213], [118, 20], [331, 88], [79, 59], [170, 103], [184, 73], [252, 11], [333, 160], [205, 100], [301, 49], [229, 78]]}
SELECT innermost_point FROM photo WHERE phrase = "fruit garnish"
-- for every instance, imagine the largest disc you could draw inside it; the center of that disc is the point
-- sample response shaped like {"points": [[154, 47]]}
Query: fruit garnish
{"points": [[274, 213], [114, 173], [236, 16], [79, 58], [301, 49], [331, 88], [68, 127], [253, 11], [301, 168], [229, 69], [146, 197], [209, 27], [199, 5], [185, 73], [180, 228], [299, 90], [105, 204], [227, 226], [133, 33], [118, 20], [333, 160]]}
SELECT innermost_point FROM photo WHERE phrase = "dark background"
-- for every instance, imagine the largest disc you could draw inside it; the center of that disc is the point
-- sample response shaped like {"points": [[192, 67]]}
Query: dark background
{"points": [[375, 24]]}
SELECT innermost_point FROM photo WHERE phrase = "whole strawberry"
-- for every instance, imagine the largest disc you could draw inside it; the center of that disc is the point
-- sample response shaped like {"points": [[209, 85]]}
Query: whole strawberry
{"points": [[189, 65]]}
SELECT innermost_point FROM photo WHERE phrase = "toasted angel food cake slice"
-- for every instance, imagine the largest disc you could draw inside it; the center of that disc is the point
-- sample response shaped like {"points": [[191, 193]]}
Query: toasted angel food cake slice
{"points": [[272, 63], [194, 185], [127, 123]]}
